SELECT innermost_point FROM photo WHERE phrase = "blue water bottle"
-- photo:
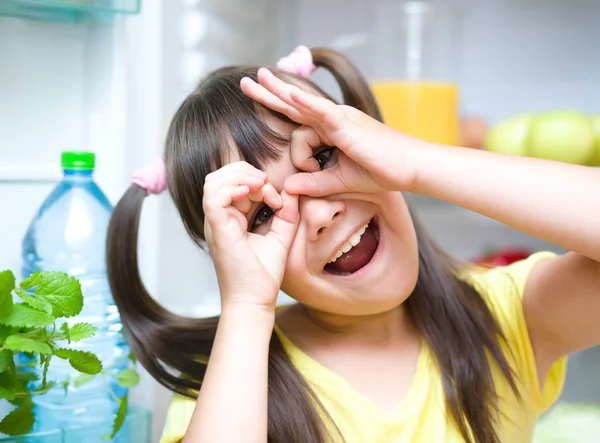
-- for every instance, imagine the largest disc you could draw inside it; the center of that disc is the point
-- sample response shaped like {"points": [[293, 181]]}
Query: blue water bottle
{"points": [[68, 234]]}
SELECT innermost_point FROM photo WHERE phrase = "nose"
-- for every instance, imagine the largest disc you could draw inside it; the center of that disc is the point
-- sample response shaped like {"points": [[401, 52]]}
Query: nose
{"points": [[319, 214]]}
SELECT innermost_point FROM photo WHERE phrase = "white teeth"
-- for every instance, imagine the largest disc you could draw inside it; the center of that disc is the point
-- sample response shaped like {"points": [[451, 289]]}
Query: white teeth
{"points": [[350, 243]]}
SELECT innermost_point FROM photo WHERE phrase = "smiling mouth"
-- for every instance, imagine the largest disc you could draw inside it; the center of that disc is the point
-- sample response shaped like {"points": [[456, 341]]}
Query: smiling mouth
{"points": [[357, 252]]}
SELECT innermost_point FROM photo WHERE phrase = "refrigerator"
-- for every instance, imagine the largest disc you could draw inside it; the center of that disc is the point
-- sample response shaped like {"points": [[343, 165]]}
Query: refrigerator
{"points": [[107, 75]]}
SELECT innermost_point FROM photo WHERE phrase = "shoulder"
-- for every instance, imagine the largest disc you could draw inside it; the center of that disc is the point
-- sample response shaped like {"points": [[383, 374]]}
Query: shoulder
{"points": [[503, 289]]}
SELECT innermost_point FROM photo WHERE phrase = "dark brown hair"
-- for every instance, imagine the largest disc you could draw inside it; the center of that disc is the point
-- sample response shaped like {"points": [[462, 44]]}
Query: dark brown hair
{"points": [[452, 316]]}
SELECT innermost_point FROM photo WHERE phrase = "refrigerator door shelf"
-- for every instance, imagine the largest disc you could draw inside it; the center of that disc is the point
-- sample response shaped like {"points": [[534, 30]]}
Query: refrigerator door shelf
{"points": [[67, 10]]}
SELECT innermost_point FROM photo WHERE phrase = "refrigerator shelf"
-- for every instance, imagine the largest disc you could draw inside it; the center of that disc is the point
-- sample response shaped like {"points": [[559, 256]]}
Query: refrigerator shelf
{"points": [[67, 10]]}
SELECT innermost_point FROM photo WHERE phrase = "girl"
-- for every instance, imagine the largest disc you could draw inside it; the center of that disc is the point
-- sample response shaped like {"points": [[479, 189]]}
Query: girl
{"points": [[391, 340]]}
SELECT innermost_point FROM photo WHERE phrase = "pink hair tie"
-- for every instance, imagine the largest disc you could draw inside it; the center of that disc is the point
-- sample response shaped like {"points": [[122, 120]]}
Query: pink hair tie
{"points": [[152, 178], [299, 62]]}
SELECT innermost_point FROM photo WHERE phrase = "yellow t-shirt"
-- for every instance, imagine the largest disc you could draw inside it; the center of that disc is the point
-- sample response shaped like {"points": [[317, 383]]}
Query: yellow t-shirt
{"points": [[421, 415]]}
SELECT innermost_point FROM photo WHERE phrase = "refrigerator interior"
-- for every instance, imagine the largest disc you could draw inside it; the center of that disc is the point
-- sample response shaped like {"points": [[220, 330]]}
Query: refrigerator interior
{"points": [[70, 82], [515, 56], [111, 85]]}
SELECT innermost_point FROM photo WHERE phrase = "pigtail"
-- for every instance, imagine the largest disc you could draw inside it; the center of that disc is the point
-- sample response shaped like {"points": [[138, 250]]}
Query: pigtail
{"points": [[354, 87], [174, 349], [155, 335]]}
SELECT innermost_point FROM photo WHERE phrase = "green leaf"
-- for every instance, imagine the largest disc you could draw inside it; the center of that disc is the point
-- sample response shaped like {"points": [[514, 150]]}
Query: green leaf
{"points": [[128, 378], [8, 380], [120, 418], [83, 379], [5, 331], [37, 302], [81, 331], [23, 316], [85, 362], [7, 394], [24, 344], [45, 371], [9, 385], [32, 280], [6, 360], [7, 284], [27, 376], [132, 357], [18, 422], [60, 290], [66, 333], [22, 401], [65, 385]]}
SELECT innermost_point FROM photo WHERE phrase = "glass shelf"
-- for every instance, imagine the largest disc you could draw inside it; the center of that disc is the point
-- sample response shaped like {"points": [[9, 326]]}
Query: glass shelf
{"points": [[67, 10]]}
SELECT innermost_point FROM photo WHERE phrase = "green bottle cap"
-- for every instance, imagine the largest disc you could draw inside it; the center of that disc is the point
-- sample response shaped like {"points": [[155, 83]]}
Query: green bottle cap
{"points": [[78, 160]]}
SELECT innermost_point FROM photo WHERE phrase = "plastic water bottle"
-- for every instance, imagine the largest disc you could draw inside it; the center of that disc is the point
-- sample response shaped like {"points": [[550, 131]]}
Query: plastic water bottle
{"points": [[68, 234]]}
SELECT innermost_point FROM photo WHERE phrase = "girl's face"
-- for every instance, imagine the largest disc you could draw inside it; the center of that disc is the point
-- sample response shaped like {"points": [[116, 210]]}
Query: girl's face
{"points": [[376, 275]]}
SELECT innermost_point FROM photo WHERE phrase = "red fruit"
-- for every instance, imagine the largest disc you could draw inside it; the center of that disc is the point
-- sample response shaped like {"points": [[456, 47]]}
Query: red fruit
{"points": [[502, 257]]}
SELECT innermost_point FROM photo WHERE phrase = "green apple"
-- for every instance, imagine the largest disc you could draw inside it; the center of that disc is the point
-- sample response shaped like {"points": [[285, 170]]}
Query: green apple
{"points": [[564, 136], [510, 136], [596, 127]]}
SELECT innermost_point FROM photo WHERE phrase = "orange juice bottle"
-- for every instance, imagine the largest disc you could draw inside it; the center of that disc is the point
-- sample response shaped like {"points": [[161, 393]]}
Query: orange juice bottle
{"points": [[415, 83], [427, 110]]}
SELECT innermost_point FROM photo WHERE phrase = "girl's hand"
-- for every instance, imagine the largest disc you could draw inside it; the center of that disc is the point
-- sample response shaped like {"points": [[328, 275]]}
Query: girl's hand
{"points": [[373, 157], [249, 265]]}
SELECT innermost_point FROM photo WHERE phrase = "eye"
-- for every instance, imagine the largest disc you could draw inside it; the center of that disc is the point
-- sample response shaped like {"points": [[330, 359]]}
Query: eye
{"points": [[261, 216], [324, 157]]}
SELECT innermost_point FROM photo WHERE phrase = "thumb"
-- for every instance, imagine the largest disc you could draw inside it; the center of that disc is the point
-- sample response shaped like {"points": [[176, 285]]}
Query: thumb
{"points": [[316, 184], [285, 222]]}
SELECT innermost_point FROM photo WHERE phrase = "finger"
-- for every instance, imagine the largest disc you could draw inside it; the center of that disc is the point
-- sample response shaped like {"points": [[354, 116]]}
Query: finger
{"points": [[311, 107], [318, 107], [304, 140], [277, 87], [245, 178], [214, 203], [316, 184], [235, 167], [285, 223], [243, 205], [239, 192], [267, 194], [259, 94]]}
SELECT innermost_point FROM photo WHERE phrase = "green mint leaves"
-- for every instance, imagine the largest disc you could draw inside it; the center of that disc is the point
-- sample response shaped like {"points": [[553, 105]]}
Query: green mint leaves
{"points": [[84, 362], [19, 343], [7, 284], [128, 378], [23, 316], [62, 292], [30, 327], [19, 421], [81, 331]]}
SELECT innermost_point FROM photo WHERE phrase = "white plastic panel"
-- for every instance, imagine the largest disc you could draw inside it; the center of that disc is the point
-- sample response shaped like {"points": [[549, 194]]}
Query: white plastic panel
{"points": [[41, 91]]}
